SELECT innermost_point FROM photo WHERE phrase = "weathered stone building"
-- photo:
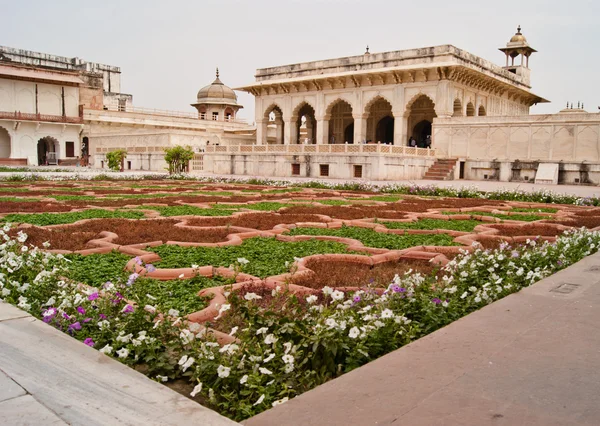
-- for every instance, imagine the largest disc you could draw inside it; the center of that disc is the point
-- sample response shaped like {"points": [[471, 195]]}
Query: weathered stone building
{"points": [[476, 113], [58, 110]]}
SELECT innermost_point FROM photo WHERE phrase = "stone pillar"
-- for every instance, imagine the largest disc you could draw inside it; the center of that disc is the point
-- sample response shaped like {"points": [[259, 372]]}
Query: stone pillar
{"points": [[279, 131], [261, 132], [289, 131], [309, 130], [444, 104], [360, 127], [399, 129], [322, 130]]}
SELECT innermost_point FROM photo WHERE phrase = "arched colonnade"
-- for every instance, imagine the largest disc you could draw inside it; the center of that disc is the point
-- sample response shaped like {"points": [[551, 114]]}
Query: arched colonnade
{"points": [[342, 123]]}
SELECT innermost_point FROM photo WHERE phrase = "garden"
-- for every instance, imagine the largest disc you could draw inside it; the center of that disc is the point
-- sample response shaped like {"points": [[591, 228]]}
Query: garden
{"points": [[243, 295]]}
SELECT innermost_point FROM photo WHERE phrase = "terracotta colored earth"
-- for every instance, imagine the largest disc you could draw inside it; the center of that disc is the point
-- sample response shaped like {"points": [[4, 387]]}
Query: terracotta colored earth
{"points": [[352, 274]]}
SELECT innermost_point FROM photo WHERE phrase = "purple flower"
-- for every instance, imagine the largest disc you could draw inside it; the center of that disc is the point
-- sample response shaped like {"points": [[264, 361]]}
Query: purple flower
{"points": [[559, 263], [81, 310], [132, 278], [65, 316], [89, 342], [118, 299], [436, 300], [356, 298], [87, 320], [150, 268], [514, 253], [49, 314], [75, 326], [93, 296], [127, 309], [102, 316], [107, 284], [138, 260]]}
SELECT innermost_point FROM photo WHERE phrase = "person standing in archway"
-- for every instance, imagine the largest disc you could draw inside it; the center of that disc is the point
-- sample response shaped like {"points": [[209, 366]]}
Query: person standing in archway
{"points": [[428, 141]]}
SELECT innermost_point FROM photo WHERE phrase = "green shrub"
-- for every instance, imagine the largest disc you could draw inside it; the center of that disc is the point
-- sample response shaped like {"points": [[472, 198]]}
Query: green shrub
{"points": [[178, 158]]}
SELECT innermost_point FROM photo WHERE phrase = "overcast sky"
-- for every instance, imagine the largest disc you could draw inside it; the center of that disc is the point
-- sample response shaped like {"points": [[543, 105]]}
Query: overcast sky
{"points": [[168, 50]]}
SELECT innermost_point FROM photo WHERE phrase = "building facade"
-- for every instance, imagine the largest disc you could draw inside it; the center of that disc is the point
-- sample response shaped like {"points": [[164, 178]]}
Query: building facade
{"points": [[474, 114]]}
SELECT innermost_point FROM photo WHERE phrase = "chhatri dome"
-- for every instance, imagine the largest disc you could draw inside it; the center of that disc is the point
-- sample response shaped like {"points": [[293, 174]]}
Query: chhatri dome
{"points": [[217, 101]]}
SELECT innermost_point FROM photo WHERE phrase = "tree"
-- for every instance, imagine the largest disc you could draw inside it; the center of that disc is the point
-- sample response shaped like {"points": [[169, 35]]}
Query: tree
{"points": [[115, 159], [178, 158]]}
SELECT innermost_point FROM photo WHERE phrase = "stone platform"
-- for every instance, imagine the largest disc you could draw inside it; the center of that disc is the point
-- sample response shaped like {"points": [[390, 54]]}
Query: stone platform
{"points": [[48, 378]]}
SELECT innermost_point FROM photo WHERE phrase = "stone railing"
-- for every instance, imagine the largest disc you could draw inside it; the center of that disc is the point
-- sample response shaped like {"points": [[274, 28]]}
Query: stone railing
{"points": [[22, 116], [400, 151], [175, 114]]}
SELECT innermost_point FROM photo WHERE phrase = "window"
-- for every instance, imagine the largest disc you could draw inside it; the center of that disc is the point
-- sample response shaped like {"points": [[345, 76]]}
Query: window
{"points": [[215, 116], [70, 149], [358, 171], [295, 169], [128, 165], [324, 169]]}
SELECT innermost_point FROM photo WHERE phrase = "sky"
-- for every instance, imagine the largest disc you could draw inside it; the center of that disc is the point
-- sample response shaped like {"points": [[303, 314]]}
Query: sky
{"points": [[168, 50]]}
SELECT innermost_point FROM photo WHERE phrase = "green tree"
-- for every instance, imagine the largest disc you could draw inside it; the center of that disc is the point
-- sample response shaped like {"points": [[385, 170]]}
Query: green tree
{"points": [[115, 159], [178, 158]]}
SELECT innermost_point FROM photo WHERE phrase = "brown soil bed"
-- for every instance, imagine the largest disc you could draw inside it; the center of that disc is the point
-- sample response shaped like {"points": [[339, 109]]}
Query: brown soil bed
{"points": [[351, 274], [588, 213], [346, 212], [129, 231], [537, 229], [260, 221], [420, 206], [33, 207], [579, 221]]}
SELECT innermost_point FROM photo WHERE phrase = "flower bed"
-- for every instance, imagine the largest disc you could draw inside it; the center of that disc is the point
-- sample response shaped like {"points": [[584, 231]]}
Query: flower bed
{"points": [[371, 238], [43, 219], [259, 221], [76, 237], [433, 224], [332, 273], [287, 345], [266, 256]]}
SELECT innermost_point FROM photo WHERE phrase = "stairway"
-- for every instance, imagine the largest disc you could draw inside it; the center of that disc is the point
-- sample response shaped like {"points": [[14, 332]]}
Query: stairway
{"points": [[442, 169]]}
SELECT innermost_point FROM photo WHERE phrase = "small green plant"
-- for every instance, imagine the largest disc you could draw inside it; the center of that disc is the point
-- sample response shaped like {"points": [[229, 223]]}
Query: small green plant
{"points": [[115, 159], [178, 158]]}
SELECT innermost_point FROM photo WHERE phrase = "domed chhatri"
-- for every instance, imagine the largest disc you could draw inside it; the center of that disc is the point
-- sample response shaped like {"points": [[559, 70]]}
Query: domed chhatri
{"points": [[518, 37], [217, 102], [518, 46]]}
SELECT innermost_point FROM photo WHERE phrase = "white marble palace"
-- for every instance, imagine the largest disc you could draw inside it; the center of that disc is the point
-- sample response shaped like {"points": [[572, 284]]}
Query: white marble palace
{"points": [[354, 117]]}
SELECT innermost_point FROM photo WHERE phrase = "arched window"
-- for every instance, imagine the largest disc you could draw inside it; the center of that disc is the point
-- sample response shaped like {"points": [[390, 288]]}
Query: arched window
{"points": [[457, 108], [470, 110], [481, 111]]}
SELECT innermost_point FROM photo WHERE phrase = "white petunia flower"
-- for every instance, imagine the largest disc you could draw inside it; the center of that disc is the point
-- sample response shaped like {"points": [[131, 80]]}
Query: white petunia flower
{"points": [[123, 352], [262, 330], [243, 261], [196, 390], [311, 299], [244, 379], [223, 371], [281, 401], [162, 378], [337, 295], [287, 359], [107, 350], [354, 333], [270, 339], [252, 296], [259, 400], [269, 358], [265, 371]]}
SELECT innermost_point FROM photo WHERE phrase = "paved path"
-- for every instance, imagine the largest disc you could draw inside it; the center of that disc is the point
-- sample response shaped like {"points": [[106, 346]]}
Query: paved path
{"points": [[87, 173], [48, 378], [529, 359]]}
